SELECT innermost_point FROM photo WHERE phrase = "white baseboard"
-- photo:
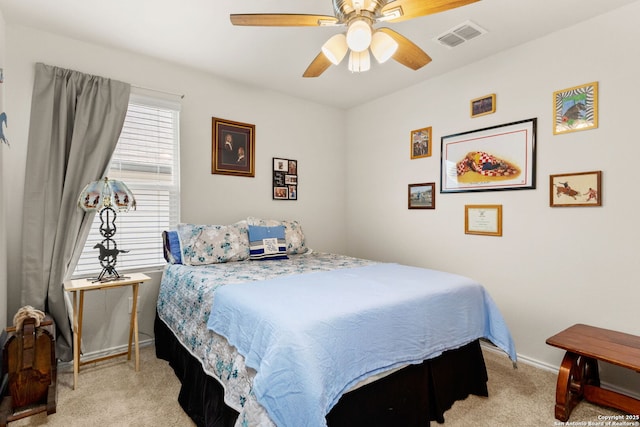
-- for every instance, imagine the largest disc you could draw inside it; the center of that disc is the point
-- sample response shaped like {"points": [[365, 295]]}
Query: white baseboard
{"points": [[551, 368], [106, 352]]}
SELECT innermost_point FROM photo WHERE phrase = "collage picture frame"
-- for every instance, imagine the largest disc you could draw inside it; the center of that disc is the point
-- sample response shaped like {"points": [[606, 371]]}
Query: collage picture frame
{"points": [[285, 179]]}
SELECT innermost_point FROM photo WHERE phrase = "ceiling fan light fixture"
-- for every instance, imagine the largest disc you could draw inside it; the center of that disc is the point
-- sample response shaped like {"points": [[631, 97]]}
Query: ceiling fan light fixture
{"points": [[359, 61], [383, 46], [335, 48], [359, 35]]}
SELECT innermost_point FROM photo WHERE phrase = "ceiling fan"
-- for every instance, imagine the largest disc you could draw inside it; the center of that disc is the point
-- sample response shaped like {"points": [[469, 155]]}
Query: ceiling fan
{"points": [[359, 16]]}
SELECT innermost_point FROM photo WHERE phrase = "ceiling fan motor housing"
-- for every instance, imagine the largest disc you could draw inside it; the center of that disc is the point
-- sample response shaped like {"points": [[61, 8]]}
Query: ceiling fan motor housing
{"points": [[346, 10]]}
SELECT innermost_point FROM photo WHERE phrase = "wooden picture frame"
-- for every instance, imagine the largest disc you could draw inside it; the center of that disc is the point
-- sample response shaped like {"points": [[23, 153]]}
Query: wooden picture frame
{"points": [[232, 148], [575, 108], [496, 158], [485, 220], [483, 105], [420, 143], [575, 189], [422, 196], [285, 179]]}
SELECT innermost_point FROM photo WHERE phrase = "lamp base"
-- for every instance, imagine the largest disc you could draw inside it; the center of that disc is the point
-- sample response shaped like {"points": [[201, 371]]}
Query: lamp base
{"points": [[109, 251], [108, 279], [109, 274]]}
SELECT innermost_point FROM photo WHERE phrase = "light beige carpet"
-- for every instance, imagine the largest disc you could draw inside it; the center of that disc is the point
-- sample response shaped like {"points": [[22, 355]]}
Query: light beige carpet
{"points": [[111, 393]]}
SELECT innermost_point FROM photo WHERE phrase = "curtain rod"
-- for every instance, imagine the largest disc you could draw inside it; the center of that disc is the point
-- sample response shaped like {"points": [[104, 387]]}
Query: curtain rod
{"points": [[159, 91]]}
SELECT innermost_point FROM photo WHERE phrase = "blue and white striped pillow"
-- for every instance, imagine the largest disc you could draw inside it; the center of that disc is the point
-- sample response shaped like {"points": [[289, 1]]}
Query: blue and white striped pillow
{"points": [[267, 243]]}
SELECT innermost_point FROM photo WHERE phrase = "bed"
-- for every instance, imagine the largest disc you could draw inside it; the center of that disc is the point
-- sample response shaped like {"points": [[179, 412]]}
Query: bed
{"points": [[318, 339]]}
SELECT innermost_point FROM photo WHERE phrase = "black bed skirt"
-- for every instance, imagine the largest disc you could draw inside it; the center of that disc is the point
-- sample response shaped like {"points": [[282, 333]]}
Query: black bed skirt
{"points": [[412, 396]]}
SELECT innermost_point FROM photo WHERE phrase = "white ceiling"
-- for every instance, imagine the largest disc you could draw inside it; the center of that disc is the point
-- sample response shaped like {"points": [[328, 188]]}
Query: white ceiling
{"points": [[198, 33]]}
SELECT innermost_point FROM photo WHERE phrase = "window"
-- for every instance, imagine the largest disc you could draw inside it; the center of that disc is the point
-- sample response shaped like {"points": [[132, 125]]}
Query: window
{"points": [[146, 158]]}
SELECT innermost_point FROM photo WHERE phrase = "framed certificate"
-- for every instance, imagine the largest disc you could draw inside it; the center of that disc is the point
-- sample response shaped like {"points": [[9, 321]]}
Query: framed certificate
{"points": [[485, 220]]}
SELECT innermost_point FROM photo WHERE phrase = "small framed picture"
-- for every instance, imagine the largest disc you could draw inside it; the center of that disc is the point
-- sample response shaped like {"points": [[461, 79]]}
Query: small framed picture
{"points": [[483, 105], [422, 196], [421, 143], [575, 108], [485, 220], [233, 145], [575, 189], [281, 193]]}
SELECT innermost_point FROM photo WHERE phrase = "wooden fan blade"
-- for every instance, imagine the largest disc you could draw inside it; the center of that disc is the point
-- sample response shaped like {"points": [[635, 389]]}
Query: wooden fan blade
{"points": [[318, 66], [281, 20], [415, 8], [408, 53]]}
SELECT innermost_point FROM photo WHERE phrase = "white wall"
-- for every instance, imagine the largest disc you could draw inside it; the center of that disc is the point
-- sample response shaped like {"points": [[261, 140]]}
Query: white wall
{"points": [[553, 267], [285, 127]]}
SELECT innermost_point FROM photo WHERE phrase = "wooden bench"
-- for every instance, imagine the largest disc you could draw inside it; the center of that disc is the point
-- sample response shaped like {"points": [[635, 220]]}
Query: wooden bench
{"points": [[578, 376]]}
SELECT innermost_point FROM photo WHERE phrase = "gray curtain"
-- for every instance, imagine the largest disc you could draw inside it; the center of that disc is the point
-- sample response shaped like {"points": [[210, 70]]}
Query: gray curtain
{"points": [[76, 120]]}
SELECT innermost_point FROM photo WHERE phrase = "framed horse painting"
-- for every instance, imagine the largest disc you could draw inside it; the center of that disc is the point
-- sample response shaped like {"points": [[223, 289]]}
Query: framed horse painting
{"points": [[575, 189]]}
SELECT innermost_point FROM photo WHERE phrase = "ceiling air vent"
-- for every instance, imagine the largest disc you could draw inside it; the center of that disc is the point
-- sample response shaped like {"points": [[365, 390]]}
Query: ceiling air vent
{"points": [[460, 34]]}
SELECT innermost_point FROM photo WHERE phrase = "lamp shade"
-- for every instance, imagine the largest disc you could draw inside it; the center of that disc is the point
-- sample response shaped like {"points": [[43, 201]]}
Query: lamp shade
{"points": [[106, 193], [335, 48], [359, 61], [383, 46], [359, 35]]}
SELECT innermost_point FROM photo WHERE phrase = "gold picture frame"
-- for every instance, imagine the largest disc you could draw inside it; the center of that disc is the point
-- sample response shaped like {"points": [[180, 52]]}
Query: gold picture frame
{"points": [[575, 108], [483, 105], [420, 143], [485, 220], [232, 148]]}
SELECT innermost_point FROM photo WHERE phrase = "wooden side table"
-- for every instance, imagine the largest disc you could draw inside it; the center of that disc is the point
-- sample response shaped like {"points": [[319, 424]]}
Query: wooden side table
{"points": [[78, 288]]}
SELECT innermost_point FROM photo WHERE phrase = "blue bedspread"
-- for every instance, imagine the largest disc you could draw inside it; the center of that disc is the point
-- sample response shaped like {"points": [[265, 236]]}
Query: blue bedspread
{"points": [[310, 337]]}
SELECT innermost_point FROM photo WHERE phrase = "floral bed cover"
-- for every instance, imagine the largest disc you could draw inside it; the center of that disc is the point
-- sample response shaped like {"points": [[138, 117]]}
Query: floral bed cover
{"points": [[184, 304]]}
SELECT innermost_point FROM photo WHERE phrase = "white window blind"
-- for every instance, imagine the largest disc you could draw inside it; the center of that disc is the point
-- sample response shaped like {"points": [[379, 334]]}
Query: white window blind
{"points": [[146, 160]]}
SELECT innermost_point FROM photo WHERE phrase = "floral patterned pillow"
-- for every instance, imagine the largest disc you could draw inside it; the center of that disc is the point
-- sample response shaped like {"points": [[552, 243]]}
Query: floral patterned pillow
{"points": [[212, 244], [293, 234]]}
